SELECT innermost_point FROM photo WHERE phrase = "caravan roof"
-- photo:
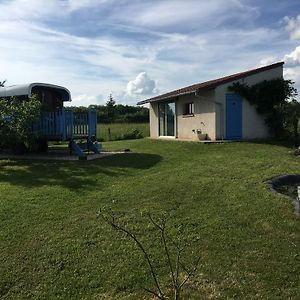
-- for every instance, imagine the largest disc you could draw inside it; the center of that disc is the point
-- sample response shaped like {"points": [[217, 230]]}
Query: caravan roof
{"points": [[26, 90]]}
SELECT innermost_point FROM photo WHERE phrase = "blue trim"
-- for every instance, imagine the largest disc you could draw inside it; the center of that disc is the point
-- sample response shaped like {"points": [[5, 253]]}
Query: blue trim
{"points": [[66, 125], [63, 124], [80, 148], [75, 147], [71, 124], [95, 147], [234, 117]]}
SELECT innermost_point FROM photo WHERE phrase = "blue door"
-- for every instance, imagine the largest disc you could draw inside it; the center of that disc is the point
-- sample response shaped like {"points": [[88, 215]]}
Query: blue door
{"points": [[233, 117]]}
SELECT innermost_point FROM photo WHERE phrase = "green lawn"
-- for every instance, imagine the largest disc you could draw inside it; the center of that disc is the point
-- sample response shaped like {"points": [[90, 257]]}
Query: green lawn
{"points": [[119, 129], [53, 246]]}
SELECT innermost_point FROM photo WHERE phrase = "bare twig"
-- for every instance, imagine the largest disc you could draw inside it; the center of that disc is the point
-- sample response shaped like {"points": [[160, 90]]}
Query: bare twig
{"points": [[2, 83], [179, 250], [189, 273], [162, 228], [112, 222], [174, 266], [154, 293]]}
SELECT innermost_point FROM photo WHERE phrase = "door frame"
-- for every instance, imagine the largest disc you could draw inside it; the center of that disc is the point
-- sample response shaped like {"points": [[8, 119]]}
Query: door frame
{"points": [[175, 119], [239, 116]]}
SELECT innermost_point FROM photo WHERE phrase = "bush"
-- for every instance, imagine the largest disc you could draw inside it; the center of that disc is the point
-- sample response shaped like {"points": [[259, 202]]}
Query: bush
{"points": [[131, 135], [16, 117]]}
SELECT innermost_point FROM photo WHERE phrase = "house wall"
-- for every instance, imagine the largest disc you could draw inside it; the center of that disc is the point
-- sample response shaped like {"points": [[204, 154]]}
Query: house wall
{"points": [[203, 118], [153, 111], [187, 126], [210, 112], [253, 124]]}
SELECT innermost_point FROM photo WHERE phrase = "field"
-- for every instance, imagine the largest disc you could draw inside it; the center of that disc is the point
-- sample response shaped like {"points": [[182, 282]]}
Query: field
{"points": [[119, 129], [53, 245]]}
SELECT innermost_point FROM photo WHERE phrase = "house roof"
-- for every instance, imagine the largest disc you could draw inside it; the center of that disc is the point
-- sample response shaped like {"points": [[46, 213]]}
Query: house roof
{"points": [[25, 90], [209, 84]]}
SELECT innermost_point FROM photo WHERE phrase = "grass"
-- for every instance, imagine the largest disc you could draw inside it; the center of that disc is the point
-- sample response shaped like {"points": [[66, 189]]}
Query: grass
{"points": [[119, 129], [53, 246]]}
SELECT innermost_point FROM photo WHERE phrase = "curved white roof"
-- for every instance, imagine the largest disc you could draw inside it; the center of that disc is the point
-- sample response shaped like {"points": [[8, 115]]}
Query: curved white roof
{"points": [[25, 89]]}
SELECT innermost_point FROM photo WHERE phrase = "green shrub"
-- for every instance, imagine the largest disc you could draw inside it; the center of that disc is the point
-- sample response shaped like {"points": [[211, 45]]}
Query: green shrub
{"points": [[116, 131], [16, 117], [131, 135]]}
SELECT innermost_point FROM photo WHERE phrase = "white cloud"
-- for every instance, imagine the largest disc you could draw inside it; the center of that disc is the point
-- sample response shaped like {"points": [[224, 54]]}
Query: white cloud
{"points": [[192, 13], [293, 59], [294, 75], [31, 9], [79, 63], [38, 9], [290, 73], [268, 60], [292, 25], [292, 66], [79, 4], [85, 100], [174, 41], [141, 85]]}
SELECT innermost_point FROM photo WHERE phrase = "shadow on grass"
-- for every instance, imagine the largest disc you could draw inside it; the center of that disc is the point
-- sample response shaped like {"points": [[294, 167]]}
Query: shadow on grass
{"points": [[73, 175], [288, 143]]}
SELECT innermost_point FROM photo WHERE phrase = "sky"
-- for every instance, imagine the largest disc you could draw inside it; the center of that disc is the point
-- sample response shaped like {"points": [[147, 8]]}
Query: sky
{"points": [[136, 49]]}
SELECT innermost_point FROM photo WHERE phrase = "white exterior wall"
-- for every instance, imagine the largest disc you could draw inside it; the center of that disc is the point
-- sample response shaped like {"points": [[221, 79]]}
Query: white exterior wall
{"points": [[253, 124], [203, 118], [154, 127], [186, 126]]}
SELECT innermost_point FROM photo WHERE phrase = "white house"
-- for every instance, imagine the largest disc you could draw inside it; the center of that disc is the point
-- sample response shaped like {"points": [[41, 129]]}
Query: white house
{"points": [[209, 110]]}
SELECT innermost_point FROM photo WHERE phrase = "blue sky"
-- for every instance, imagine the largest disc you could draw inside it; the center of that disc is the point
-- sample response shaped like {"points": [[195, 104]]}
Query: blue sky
{"points": [[136, 48]]}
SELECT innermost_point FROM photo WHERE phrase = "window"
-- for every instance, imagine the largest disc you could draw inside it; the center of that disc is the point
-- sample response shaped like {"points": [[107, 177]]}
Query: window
{"points": [[166, 118], [188, 108]]}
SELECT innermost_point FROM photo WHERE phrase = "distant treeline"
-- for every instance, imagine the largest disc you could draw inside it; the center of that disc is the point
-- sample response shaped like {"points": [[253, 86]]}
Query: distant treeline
{"points": [[118, 113]]}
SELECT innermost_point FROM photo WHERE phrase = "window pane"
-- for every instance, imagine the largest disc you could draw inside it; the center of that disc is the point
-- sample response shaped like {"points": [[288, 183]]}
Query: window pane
{"points": [[192, 108], [161, 109], [188, 108], [170, 119], [166, 119]]}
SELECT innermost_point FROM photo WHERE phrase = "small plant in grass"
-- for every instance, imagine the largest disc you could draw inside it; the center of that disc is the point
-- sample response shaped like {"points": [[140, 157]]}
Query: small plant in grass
{"points": [[174, 259]]}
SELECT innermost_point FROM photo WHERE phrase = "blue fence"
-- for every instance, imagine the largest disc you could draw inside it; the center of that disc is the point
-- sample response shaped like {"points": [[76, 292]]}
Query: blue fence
{"points": [[66, 125]]}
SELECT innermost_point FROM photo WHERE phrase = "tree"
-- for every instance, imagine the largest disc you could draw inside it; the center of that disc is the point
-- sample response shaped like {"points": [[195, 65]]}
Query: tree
{"points": [[110, 105], [111, 102], [123, 114], [16, 118], [292, 116]]}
